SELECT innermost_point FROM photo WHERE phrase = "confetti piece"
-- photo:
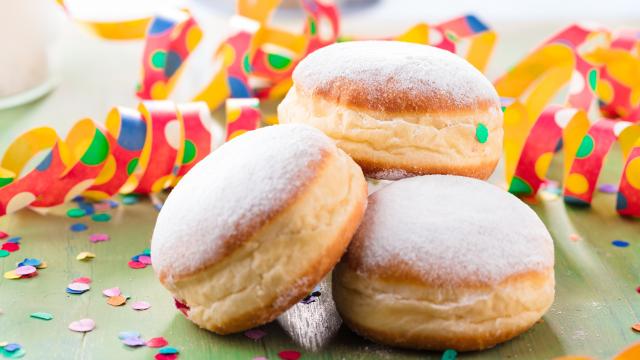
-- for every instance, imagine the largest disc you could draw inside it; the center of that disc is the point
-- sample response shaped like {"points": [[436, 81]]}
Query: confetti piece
{"points": [[482, 133], [608, 188], [3, 235], [101, 217], [83, 279], [25, 270], [620, 243], [255, 334], [95, 238], [111, 292], [10, 247], [289, 355], [4, 253], [144, 259], [157, 342], [168, 350], [117, 300], [136, 265], [76, 213], [636, 327], [41, 316], [134, 341], [140, 305], [43, 265], [638, 289], [574, 237], [130, 199], [85, 256], [166, 356], [78, 288], [15, 354], [128, 334], [11, 275], [12, 347], [15, 239], [78, 227], [30, 261], [83, 325], [449, 354]]}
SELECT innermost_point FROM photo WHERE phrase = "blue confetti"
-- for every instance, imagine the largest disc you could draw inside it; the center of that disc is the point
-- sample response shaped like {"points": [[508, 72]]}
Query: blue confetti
{"points": [[78, 227], [31, 262], [620, 243], [15, 239], [168, 350]]}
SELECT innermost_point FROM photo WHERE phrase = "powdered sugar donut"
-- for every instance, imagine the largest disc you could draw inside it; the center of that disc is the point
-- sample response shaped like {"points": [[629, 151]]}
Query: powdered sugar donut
{"points": [[445, 262], [399, 109], [254, 226]]}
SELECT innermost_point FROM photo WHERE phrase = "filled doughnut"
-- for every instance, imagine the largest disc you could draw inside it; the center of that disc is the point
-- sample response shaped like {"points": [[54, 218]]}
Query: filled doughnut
{"points": [[445, 262], [254, 226], [399, 109]]}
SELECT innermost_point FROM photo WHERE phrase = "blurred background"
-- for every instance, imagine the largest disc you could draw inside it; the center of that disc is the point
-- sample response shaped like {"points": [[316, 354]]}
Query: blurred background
{"points": [[73, 74]]}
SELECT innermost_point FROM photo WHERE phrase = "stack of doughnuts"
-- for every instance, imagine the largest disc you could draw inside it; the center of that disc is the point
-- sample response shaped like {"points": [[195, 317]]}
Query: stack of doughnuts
{"points": [[438, 259]]}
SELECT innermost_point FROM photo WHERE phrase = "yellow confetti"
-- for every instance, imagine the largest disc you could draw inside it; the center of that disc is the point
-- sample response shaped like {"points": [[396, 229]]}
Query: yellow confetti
{"points": [[85, 256], [11, 275], [43, 265]]}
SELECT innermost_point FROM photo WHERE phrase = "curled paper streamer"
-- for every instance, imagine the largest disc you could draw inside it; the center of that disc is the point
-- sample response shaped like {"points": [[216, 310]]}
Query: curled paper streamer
{"points": [[256, 59], [575, 57], [100, 161], [242, 115]]}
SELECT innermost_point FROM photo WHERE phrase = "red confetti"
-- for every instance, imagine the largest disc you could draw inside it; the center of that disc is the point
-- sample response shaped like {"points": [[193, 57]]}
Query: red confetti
{"points": [[3, 235], [638, 289], [289, 355], [33, 274], [84, 280], [166, 356], [157, 342], [136, 265], [184, 308], [10, 247]]}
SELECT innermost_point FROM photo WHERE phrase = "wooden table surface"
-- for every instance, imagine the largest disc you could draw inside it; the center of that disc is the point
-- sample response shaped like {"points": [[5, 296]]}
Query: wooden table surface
{"points": [[596, 301]]}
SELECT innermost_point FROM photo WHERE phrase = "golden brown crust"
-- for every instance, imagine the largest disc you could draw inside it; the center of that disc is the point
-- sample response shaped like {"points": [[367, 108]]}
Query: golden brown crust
{"points": [[392, 99], [384, 171], [317, 269], [464, 318], [244, 234]]}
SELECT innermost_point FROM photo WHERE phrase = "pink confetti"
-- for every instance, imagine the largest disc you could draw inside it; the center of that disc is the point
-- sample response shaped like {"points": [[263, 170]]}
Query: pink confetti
{"points": [[289, 355], [25, 270], [83, 325], [111, 292], [574, 237], [144, 259], [95, 238], [102, 206], [166, 356], [79, 286], [84, 280], [157, 342], [140, 305], [255, 334], [136, 265]]}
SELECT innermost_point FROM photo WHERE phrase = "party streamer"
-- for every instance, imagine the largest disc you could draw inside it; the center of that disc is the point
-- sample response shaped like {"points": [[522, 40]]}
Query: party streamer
{"points": [[590, 65], [100, 161]]}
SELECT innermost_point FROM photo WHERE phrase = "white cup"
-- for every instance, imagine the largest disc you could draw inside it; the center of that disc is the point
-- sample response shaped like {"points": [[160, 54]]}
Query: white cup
{"points": [[24, 35]]}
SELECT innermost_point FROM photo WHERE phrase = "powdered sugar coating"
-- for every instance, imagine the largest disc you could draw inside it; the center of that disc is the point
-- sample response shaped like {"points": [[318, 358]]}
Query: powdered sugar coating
{"points": [[385, 68], [233, 189], [451, 229]]}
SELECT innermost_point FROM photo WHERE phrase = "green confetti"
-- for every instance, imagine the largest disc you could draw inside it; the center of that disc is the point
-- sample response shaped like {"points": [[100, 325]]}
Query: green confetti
{"points": [[449, 354], [41, 316], [482, 133], [101, 217], [4, 253], [147, 252], [76, 213]]}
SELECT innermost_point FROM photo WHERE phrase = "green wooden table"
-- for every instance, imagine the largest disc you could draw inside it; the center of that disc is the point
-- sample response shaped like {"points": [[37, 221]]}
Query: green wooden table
{"points": [[596, 301]]}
